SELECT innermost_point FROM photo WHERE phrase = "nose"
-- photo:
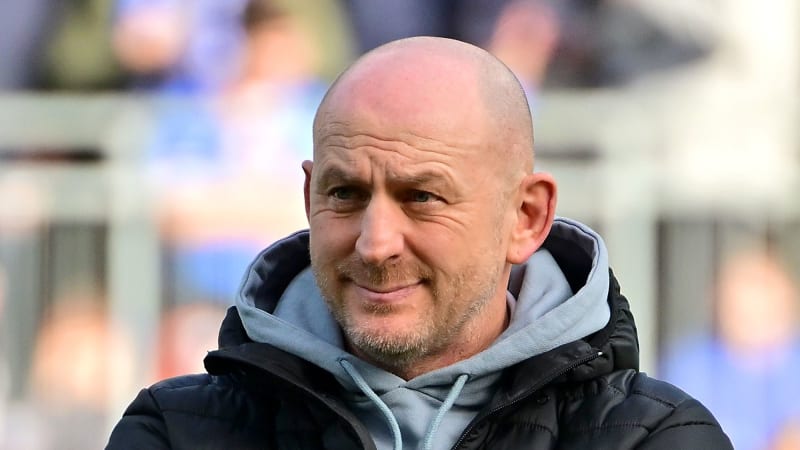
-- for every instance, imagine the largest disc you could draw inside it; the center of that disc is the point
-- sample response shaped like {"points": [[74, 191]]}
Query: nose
{"points": [[381, 237]]}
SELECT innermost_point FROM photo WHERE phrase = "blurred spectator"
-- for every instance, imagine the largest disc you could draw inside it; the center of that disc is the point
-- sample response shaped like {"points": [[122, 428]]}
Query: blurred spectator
{"points": [[224, 165], [22, 205], [193, 46], [376, 22], [57, 45], [524, 38], [187, 333], [79, 352], [747, 373], [613, 42], [79, 358], [24, 33], [178, 45], [599, 42], [166, 45], [79, 53]]}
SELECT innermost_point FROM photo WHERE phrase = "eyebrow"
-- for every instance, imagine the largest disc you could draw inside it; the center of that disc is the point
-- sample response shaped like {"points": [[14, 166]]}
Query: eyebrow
{"points": [[422, 178], [335, 175], [338, 175]]}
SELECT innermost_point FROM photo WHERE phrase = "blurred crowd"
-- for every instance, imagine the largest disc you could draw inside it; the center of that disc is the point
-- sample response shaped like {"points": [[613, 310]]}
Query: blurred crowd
{"points": [[204, 46], [238, 82]]}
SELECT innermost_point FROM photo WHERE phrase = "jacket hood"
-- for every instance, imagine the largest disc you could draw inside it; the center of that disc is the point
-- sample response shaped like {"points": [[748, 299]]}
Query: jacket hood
{"points": [[556, 297]]}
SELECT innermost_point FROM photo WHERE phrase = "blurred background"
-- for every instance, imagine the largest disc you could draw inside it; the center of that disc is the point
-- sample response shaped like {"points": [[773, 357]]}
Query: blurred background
{"points": [[150, 148]]}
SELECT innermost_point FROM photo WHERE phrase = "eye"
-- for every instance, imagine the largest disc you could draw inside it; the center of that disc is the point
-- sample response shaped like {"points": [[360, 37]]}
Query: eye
{"points": [[343, 193], [345, 198], [421, 197]]}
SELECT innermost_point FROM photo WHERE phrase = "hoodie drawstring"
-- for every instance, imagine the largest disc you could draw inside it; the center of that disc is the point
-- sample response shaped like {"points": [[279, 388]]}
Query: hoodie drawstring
{"points": [[387, 413], [427, 443], [455, 391]]}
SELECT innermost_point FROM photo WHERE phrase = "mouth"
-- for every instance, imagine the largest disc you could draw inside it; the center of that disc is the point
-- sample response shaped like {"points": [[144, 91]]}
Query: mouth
{"points": [[385, 289], [386, 294]]}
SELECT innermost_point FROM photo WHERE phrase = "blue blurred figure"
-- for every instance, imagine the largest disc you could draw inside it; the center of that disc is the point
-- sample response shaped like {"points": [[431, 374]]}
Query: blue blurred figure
{"points": [[747, 373], [222, 160], [178, 45]]}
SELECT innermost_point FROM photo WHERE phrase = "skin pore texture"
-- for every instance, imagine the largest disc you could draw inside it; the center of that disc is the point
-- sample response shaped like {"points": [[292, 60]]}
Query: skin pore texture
{"points": [[420, 198]]}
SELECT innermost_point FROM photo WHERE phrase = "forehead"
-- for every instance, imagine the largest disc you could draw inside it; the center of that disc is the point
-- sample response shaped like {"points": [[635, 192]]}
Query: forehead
{"points": [[430, 95], [367, 146], [355, 151], [360, 134]]}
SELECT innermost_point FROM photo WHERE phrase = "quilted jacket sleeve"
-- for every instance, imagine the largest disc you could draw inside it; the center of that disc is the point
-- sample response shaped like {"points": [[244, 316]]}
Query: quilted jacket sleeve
{"points": [[142, 426], [690, 427]]}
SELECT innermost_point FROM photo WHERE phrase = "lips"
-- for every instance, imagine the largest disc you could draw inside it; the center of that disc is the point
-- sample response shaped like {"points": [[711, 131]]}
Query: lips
{"points": [[385, 294]]}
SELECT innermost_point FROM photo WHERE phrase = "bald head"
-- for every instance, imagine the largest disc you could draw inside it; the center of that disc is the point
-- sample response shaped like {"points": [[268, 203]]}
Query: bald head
{"points": [[437, 82]]}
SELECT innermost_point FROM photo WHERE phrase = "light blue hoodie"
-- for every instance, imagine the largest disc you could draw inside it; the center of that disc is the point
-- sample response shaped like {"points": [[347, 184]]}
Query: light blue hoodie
{"points": [[431, 410]]}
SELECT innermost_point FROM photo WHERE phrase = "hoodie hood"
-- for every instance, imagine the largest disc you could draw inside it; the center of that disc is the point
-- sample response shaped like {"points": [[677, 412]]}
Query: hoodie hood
{"points": [[556, 297]]}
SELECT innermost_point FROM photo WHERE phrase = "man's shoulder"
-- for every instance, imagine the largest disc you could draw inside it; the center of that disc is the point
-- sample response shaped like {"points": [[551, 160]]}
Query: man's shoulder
{"points": [[640, 386], [632, 409], [198, 394], [188, 410], [185, 386], [669, 414], [654, 400], [183, 382]]}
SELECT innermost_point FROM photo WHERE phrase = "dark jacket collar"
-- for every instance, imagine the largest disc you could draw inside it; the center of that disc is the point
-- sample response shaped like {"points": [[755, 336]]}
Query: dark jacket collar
{"points": [[612, 348]]}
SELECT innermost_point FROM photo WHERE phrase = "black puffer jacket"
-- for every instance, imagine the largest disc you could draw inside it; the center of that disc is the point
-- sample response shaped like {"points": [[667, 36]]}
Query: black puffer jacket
{"points": [[584, 395]]}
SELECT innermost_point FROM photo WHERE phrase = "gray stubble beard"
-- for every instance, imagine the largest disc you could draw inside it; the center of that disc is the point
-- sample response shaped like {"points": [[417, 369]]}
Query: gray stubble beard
{"points": [[397, 354]]}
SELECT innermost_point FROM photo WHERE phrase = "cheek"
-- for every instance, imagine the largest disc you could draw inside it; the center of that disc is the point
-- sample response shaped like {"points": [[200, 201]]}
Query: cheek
{"points": [[444, 256], [476, 241], [330, 238]]}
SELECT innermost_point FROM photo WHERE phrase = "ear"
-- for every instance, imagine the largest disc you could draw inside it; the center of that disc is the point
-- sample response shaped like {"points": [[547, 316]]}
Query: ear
{"points": [[307, 166], [535, 209]]}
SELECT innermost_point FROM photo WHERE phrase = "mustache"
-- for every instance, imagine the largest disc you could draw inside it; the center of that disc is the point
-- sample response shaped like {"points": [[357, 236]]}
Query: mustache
{"points": [[380, 275]]}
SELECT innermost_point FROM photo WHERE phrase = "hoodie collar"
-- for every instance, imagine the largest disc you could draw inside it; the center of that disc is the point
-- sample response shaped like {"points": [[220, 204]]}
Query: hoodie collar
{"points": [[280, 304], [565, 283]]}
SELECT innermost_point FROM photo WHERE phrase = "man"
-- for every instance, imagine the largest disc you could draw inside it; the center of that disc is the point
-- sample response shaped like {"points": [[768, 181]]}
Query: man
{"points": [[442, 305]]}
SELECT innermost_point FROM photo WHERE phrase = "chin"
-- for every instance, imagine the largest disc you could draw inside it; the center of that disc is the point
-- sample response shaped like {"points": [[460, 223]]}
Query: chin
{"points": [[386, 334], [385, 327]]}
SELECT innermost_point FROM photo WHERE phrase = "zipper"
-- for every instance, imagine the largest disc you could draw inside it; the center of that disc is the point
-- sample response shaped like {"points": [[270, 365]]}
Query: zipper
{"points": [[544, 381]]}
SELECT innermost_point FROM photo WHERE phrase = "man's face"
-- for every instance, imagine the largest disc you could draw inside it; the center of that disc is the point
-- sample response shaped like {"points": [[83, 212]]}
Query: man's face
{"points": [[407, 230]]}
